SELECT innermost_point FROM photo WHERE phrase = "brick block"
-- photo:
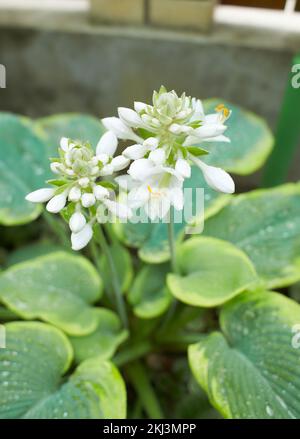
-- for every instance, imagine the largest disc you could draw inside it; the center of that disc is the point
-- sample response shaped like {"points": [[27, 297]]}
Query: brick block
{"points": [[186, 14], [118, 11]]}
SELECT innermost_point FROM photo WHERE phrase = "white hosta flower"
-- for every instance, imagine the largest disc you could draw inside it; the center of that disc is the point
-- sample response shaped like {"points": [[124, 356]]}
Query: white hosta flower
{"points": [[100, 192], [158, 193], [158, 156], [216, 178], [75, 194], [81, 239], [130, 117], [183, 168], [120, 162], [77, 222], [120, 129], [135, 152], [57, 203], [107, 146], [118, 209], [88, 200], [40, 195]]}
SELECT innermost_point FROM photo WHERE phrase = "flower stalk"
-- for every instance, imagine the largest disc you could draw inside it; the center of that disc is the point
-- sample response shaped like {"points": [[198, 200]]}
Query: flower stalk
{"points": [[120, 304]]}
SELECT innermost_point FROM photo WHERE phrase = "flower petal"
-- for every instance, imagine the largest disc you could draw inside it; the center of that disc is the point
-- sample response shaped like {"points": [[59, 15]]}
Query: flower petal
{"points": [[216, 178], [57, 203], [140, 169], [120, 162], [77, 222], [107, 144], [122, 131], [81, 239], [119, 210], [88, 200], [135, 152], [100, 192], [158, 156], [75, 194], [130, 117], [40, 195], [140, 106], [183, 168]]}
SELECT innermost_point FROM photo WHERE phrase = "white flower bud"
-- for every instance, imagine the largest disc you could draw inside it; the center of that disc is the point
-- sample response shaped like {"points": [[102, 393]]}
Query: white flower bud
{"points": [[120, 162], [140, 106], [135, 152], [57, 203], [40, 195], [119, 128], [106, 170], [81, 239], [56, 167], [183, 168], [158, 156], [151, 143], [88, 200], [107, 144], [117, 209], [130, 117], [103, 158], [77, 222], [216, 178], [84, 182], [75, 194], [100, 192], [175, 128], [64, 144]]}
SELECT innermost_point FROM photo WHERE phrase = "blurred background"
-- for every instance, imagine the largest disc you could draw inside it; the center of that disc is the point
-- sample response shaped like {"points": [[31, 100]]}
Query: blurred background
{"points": [[93, 56]]}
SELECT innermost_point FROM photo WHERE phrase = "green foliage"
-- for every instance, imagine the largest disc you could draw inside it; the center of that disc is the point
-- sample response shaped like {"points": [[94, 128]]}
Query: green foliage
{"points": [[251, 369], [104, 341], [149, 295], [242, 340], [58, 288], [265, 224], [32, 382], [24, 167], [212, 272]]}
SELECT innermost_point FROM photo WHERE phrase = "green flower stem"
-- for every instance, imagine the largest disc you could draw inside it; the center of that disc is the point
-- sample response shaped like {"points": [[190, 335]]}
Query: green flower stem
{"points": [[172, 242], [132, 353], [142, 385], [57, 227], [100, 237]]}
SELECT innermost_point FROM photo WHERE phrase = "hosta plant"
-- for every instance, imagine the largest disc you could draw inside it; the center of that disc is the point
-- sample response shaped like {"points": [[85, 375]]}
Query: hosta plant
{"points": [[109, 305]]}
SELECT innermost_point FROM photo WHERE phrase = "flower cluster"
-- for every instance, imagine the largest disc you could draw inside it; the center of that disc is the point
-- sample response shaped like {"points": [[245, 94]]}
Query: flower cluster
{"points": [[166, 138], [79, 191], [167, 135]]}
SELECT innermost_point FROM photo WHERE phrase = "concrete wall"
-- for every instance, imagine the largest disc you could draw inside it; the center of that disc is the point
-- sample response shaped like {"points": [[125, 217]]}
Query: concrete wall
{"points": [[53, 71]]}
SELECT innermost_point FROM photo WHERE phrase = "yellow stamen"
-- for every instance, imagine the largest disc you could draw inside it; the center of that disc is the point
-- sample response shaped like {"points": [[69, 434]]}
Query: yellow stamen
{"points": [[149, 189], [219, 108]]}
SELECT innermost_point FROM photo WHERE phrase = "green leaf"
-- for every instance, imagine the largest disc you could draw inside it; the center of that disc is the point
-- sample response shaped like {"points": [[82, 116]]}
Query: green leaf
{"points": [[265, 224], [75, 126], [197, 151], [24, 167], [251, 141], [152, 238], [213, 272], [32, 383], [32, 251], [104, 341], [58, 288], [123, 264], [251, 370], [149, 296]]}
